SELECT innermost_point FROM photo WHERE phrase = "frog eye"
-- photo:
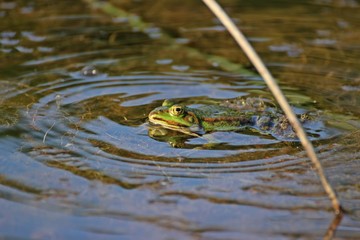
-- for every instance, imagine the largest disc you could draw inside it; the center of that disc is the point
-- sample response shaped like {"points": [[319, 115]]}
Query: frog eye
{"points": [[176, 110]]}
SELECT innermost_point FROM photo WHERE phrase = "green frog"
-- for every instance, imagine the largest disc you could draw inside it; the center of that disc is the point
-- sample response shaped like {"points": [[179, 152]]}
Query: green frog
{"points": [[249, 114]]}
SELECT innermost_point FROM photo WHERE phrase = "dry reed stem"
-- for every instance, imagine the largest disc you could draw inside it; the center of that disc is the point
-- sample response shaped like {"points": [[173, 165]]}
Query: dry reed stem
{"points": [[332, 227], [279, 96]]}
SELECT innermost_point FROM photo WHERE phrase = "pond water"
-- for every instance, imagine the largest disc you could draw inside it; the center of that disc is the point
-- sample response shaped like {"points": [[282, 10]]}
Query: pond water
{"points": [[80, 160]]}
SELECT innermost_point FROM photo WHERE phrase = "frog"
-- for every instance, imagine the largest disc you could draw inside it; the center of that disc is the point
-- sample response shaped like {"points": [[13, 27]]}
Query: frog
{"points": [[250, 114]]}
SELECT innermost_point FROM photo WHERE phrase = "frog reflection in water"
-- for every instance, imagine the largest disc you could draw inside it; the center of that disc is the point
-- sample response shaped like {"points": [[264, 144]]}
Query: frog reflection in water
{"points": [[251, 113]]}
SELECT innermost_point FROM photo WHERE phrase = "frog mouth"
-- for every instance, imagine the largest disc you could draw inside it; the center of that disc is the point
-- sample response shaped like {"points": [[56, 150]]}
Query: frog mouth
{"points": [[167, 123], [172, 125]]}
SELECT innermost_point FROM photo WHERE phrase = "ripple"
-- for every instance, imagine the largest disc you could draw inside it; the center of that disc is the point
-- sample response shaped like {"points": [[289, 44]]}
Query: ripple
{"points": [[97, 123], [32, 37], [9, 42]]}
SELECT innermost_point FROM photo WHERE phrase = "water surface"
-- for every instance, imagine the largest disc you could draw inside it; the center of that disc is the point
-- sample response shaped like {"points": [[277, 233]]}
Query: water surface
{"points": [[78, 156]]}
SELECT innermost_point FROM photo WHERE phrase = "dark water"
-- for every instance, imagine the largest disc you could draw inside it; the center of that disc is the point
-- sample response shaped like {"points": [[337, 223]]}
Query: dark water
{"points": [[78, 79]]}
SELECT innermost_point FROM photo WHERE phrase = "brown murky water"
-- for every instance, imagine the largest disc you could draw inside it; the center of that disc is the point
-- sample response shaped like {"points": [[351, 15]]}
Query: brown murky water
{"points": [[79, 160]]}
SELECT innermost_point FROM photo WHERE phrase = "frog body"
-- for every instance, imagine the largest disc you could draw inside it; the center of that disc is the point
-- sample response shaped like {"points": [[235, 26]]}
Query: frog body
{"points": [[198, 120]]}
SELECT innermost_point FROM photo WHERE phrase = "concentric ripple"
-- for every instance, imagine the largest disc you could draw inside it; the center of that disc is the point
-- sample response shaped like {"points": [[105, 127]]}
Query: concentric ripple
{"points": [[103, 118], [95, 127]]}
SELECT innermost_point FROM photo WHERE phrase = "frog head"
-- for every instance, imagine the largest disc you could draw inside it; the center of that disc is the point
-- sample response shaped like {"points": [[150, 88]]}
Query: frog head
{"points": [[176, 117]]}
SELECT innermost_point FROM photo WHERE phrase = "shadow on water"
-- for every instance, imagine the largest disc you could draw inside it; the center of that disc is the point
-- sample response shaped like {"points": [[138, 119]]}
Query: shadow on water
{"points": [[80, 159]]}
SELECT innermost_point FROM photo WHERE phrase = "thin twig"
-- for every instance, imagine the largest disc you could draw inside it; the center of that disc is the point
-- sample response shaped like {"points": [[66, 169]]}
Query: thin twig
{"points": [[279, 96], [47, 132]]}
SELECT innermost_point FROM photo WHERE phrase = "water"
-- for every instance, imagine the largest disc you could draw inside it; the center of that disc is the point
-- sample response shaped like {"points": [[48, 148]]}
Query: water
{"points": [[79, 159]]}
